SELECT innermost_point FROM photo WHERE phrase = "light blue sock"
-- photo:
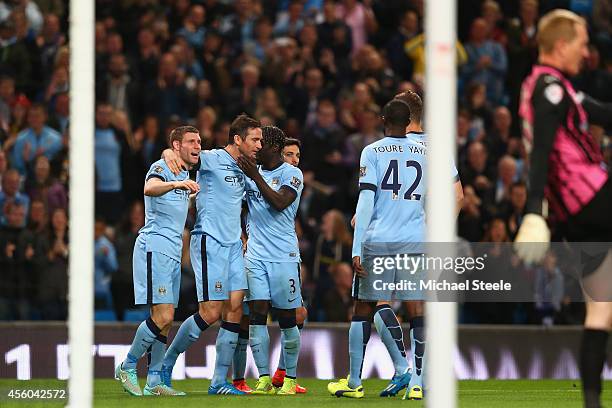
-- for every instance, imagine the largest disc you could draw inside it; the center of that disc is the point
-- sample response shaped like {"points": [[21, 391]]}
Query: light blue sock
{"points": [[227, 339], [260, 346], [359, 334], [290, 340], [281, 357], [417, 342], [240, 355], [156, 357], [391, 334], [143, 339], [187, 334]]}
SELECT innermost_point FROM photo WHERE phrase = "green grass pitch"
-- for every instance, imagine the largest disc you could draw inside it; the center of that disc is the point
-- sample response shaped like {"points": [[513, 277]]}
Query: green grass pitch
{"points": [[491, 393]]}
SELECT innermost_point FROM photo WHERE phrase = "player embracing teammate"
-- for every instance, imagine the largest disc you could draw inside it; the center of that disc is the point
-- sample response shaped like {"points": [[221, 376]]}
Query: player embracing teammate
{"points": [[393, 187]]}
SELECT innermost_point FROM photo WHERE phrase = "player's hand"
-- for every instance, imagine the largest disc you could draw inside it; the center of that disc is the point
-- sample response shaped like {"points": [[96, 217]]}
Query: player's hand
{"points": [[358, 268], [533, 239], [248, 166], [188, 185], [172, 160]]}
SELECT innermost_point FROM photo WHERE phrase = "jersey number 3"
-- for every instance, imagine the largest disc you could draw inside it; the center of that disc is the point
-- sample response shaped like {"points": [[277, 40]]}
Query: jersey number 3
{"points": [[395, 186]]}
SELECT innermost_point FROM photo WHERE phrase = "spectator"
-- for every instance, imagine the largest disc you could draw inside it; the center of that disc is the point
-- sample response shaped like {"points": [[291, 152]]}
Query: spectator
{"points": [[105, 265], [149, 140], [168, 95], [487, 62], [147, 59], [3, 167], [332, 246], [360, 18], [38, 221], [32, 12], [269, 106], [323, 144], [333, 33], [37, 140], [506, 176], [478, 173], [19, 264], [369, 132], [244, 98], [515, 209], [522, 48], [238, 26], [193, 27], [10, 195], [122, 281], [61, 113], [118, 89], [470, 224], [338, 301], [407, 30], [14, 56], [498, 137], [7, 100], [110, 143], [290, 22], [549, 290], [43, 187], [303, 101], [49, 41], [53, 287]]}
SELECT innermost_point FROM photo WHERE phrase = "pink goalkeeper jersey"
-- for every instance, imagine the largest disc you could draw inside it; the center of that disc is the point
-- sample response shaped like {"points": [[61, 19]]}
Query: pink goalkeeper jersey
{"points": [[576, 171]]}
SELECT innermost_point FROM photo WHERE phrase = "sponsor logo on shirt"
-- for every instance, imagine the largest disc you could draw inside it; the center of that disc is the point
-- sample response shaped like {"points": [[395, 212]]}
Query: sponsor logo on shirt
{"points": [[235, 180]]}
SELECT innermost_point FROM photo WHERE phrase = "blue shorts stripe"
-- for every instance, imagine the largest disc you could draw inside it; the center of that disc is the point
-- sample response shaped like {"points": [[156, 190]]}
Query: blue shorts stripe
{"points": [[205, 297], [149, 278]]}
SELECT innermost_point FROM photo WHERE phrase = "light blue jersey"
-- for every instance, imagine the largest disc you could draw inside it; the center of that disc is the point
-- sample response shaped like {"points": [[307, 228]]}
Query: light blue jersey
{"points": [[165, 215], [395, 168], [272, 234], [219, 200]]}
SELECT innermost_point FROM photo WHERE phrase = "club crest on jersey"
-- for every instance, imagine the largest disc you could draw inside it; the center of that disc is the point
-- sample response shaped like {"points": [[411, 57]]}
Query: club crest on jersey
{"points": [[158, 169], [162, 290], [275, 182], [296, 182], [218, 287], [362, 171]]}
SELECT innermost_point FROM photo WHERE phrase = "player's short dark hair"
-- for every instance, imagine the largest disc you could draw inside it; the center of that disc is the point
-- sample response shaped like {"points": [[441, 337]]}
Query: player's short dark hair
{"points": [[241, 125], [396, 114], [293, 142], [273, 136], [38, 106], [518, 184], [178, 132], [415, 103]]}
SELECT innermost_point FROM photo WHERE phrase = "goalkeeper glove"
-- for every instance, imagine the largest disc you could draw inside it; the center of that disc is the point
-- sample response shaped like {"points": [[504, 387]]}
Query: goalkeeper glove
{"points": [[533, 239]]}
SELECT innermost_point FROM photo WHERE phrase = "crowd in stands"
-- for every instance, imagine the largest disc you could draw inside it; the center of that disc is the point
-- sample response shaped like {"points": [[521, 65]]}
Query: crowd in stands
{"points": [[319, 69]]}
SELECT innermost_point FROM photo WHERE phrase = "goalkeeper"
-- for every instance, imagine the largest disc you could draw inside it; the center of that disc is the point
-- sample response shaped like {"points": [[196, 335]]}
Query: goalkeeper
{"points": [[567, 168]]}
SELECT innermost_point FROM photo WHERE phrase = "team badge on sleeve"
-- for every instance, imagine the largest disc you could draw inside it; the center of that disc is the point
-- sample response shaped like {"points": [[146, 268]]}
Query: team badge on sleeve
{"points": [[362, 171], [158, 169], [296, 182], [554, 93]]}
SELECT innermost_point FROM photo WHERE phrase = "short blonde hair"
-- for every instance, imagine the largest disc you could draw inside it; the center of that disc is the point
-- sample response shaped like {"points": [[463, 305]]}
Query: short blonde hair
{"points": [[557, 25]]}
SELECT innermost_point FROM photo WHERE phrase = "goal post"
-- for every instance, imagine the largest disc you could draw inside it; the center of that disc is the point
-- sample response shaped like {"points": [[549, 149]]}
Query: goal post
{"points": [[81, 209], [440, 122]]}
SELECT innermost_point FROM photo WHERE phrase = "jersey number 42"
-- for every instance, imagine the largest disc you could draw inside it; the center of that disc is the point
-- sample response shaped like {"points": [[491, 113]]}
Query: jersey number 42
{"points": [[395, 186]]}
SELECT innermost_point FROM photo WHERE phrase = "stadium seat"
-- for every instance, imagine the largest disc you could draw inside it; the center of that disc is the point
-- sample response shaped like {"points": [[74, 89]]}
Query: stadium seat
{"points": [[105, 315], [135, 315]]}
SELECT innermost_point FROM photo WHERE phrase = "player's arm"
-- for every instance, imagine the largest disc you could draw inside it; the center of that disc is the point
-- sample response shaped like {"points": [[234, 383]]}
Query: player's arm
{"points": [[600, 113], [363, 216], [155, 186], [458, 197], [550, 105], [279, 200]]}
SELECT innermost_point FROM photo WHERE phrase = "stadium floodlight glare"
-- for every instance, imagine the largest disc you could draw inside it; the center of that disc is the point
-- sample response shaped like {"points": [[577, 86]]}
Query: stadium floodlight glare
{"points": [[440, 122], [80, 286]]}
